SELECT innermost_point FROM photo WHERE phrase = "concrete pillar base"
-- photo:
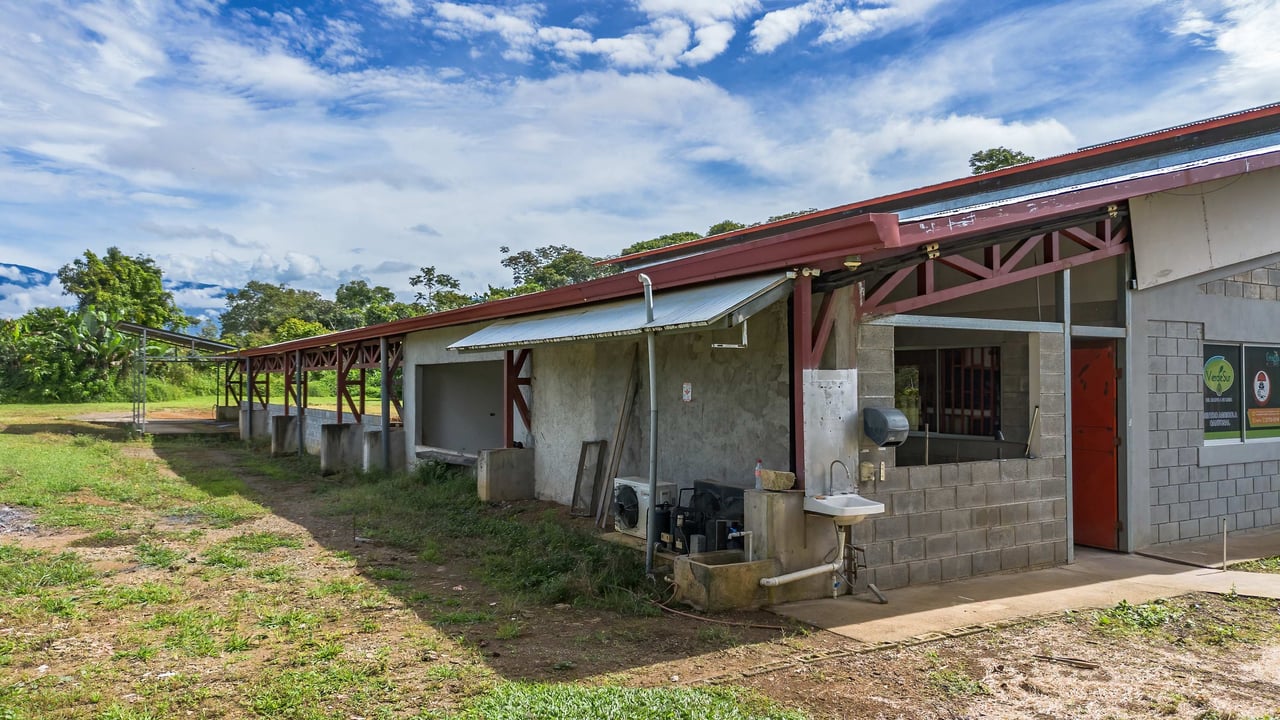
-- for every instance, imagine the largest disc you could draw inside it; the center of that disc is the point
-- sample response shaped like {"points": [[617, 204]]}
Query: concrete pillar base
{"points": [[505, 474], [341, 447], [226, 413], [284, 435], [259, 420], [782, 531], [372, 456]]}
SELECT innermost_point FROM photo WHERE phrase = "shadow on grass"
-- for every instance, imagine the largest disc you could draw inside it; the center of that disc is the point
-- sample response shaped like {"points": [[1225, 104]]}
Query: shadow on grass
{"points": [[533, 591], [100, 430]]}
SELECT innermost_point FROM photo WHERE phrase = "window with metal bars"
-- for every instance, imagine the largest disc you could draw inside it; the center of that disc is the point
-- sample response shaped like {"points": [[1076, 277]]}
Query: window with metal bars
{"points": [[950, 390]]}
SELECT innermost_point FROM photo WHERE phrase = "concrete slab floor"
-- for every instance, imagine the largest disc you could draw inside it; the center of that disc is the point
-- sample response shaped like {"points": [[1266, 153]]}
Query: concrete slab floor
{"points": [[1097, 579], [1242, 546]]}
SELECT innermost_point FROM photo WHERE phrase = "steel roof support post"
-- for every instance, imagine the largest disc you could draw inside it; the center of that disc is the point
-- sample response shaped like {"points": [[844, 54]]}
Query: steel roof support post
{"points": [[342, 380], [1064, 316], [801, 359], [248, 393], [297, 397], [385, 390]]}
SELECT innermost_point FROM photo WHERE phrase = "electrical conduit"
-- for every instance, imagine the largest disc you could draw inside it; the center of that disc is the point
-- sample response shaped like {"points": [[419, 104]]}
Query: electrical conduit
{"points": [[651, 533]]}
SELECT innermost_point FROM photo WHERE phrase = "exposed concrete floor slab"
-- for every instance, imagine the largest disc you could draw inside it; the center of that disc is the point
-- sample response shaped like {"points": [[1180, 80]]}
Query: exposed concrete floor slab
{"points": [[1242, 546], [1096, 579]]}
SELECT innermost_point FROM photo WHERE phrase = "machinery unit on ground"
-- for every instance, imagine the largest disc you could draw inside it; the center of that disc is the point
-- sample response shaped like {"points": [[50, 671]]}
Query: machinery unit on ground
{"points": [[705, 516], [631, 504]]}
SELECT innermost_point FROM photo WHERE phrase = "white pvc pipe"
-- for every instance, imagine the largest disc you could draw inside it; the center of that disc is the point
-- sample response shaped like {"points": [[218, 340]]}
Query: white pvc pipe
{"points": [[800, 574]]}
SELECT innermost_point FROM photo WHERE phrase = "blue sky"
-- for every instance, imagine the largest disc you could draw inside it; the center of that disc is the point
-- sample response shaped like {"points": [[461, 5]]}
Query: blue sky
{"points": [[314, 143]]}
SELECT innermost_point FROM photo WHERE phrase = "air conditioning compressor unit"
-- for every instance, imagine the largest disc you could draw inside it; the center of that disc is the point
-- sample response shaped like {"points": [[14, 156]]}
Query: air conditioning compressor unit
{"points": [[631, 504]]}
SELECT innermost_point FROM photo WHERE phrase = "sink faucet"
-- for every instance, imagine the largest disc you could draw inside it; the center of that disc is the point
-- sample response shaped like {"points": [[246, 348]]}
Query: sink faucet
{"points": [[831, 484]]}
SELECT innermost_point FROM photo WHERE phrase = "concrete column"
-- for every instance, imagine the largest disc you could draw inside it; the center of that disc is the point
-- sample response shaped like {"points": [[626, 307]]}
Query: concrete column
{"points": [[285, 431], [505, 474], [380, 444], [226, 413], [332, 436]]}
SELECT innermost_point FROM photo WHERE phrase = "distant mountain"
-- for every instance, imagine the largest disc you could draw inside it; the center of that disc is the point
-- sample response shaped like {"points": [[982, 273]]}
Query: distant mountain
{"points": [[40, 288]]}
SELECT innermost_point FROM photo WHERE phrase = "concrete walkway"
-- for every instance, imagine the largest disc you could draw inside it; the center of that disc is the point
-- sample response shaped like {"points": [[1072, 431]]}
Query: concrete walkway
{"points": [[1097, 579], [1242, 546]]}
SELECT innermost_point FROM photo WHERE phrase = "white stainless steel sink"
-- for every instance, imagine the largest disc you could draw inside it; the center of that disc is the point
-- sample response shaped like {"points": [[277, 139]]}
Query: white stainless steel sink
{"points": [[845, 508]]}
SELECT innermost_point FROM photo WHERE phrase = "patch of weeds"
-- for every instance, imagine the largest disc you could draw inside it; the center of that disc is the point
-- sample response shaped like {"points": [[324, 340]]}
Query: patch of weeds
{"points": [[444, 672], [1126, 617], [125, 712], [509, 630], [291, 621], [340, 587], [461, 617], [261, 542], [63, 607], [218, 556], [192, 631], [716, 635], [431, 552], [345, 556], [275, 574], [1262, 565], [148, 593], [326, 651], [27, 572], [956, 683], [564, 665], [537, 700], [142, 652], [236, 642], [156, 556], [342, 690], [367, 626], [388, 573]]}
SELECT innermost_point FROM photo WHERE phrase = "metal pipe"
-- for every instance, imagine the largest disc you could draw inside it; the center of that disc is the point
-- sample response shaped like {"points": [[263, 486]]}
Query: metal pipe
{"points": [[651, 536], [143, 416], [248, 395], [297, 396], [384, 366], [745, 534]]}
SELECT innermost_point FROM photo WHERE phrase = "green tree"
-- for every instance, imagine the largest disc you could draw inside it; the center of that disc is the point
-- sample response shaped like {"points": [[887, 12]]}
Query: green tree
{"points": [[296, 329], [130, 288], [661, 241], [255, 311], [789, 215], [51, 355], [984, 161], [440, 291], [359, 304], [724, 226], [551, 266]]}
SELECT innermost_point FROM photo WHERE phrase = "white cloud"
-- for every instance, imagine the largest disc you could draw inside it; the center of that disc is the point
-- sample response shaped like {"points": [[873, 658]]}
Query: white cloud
{"points": [[397, 8], [842, 20], [16, 301]]}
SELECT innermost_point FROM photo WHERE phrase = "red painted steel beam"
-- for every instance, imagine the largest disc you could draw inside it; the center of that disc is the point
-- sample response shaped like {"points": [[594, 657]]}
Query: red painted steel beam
{"points": [[915, 303], [825, 323]]}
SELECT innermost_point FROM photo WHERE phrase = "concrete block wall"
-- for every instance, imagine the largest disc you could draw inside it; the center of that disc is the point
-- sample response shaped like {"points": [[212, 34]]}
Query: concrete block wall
{"points": [[1188, 500], [1258, 284], [944, 522], [313, 419], [949, 521]]}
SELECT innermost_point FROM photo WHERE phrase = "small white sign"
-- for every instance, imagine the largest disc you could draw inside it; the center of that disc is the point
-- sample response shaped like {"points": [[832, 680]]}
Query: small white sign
{"points": [[686, 392]]}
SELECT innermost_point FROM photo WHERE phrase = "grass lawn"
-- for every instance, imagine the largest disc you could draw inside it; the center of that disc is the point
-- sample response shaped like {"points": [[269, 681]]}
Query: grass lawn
{"points": [[162, 584]]}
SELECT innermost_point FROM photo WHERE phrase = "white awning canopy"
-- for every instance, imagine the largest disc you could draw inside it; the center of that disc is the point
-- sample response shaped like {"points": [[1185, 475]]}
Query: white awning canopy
{"points": [[717, 305]]}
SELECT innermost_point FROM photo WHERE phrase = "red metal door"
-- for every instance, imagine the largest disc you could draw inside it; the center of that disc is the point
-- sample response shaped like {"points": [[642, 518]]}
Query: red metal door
{"points": [[1094, 445]]}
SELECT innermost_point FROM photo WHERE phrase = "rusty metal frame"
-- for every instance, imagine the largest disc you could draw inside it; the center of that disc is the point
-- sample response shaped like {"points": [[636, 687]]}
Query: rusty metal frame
{"points": [[514, 401], [999, 267]]}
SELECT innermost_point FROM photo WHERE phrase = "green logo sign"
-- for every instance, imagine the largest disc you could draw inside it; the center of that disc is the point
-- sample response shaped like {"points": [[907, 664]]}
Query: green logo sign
{"points": [[1219, 376]]}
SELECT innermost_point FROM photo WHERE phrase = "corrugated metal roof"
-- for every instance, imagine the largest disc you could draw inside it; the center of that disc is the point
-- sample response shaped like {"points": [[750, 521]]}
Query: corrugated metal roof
{"points": [[722, 304]]}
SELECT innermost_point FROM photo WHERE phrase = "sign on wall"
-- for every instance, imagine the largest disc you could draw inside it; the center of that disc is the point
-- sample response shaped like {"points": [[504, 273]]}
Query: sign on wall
{"points": [[1262, 404], [1222, 392]]}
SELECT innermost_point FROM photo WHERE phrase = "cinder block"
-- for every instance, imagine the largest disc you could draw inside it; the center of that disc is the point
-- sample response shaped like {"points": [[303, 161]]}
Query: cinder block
{"points": [[890, 577], [895, 478], [956, 520], [925, 476], [1013, 514], [1168, 532], [908, 503], [987, 517], [971, 541], [1188, 492], [908, 550], [968, 496], [922, 524], [1013, 558], [940, 498], [1160, 514], [985, 472], [1026, 534], [1199, 509], [925, 572], [1040, 510], [890, 528], [949, 474], [986, 562], [953, 568], [1179, 512], [1054, 487], [937, 546], [1053, 530], [1040, 554], [999, 537], [1000, 494]]}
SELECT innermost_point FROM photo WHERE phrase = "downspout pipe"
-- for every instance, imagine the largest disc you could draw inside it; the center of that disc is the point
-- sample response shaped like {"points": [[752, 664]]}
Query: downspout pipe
{"points": [[651, 534]]}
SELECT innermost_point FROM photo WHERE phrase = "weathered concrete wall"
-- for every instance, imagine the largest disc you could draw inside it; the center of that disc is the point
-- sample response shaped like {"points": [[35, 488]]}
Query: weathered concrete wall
{"points": [[312, 419], [739, 411], [1182, 488], [460, 405], [505, 474], [428, 348]]}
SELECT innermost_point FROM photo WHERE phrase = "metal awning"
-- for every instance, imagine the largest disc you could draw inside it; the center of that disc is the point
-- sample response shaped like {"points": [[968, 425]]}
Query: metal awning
{"points": [[711, 306]]}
